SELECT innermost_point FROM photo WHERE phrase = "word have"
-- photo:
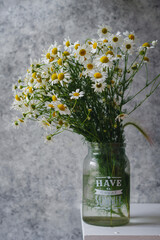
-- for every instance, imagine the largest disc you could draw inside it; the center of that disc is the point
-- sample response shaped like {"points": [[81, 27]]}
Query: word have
{"points": [[108, 182]]}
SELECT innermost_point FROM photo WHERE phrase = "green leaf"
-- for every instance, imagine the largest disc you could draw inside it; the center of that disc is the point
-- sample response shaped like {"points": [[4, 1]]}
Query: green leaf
{"points": [[141, 130]]}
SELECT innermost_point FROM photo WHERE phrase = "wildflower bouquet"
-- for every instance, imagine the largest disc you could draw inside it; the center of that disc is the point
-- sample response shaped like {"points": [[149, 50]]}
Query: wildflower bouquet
{"points": [[84, 88]]}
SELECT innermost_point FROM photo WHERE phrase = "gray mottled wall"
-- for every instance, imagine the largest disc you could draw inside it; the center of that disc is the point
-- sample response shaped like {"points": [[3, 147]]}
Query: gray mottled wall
{"points": [[40, 185]]}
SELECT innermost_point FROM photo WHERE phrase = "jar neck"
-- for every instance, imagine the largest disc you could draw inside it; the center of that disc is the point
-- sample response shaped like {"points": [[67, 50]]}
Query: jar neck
{"points": [[106, 148]]}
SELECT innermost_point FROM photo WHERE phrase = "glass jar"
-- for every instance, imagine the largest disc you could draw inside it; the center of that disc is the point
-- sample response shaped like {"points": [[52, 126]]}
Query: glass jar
{"points": [[106, 185]]}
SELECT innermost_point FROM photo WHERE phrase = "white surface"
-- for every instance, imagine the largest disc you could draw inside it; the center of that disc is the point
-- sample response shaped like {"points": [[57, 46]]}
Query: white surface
{"points": [[144, 221]]}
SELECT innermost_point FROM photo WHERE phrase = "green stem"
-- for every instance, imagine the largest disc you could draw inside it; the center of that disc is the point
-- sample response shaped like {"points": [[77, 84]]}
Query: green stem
{"points": [[154, 80], [147, 96]]}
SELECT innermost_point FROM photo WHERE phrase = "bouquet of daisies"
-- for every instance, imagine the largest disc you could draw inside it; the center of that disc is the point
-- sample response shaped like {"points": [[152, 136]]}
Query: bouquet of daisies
{"points": [[84, 88]]}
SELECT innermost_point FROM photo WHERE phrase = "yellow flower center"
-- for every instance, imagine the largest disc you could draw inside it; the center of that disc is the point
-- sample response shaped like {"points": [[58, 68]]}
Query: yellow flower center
{"points": [[105, 40], [99, 85], [66, 53], [39, 80], [60, 122], [60, 76], [49, 138], [115, 39], [109, 52], [32, 80], [104, 30], [90, 66], [48, 55], [59, 61], [119, 56], [146, 44], [54, 76], [54, 98], [95, 45], [21, 120], [76, 46], [34, 75], [104, 59], [67, 44], [146, 59], [50, 105], [17, 98], [45, 123], [82, 52], [54, 114], [131, 36], [110, 47], [128, 46], [51, 59], [30, 90], [61, 107], [76, 94], [97, 75], [54, 50]]}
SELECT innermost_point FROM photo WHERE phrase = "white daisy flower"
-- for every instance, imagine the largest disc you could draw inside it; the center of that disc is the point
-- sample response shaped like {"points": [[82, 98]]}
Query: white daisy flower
{"points": [[118, 57], [146, 45], [63, 77], [54, 49], [121, 116], [62, 108], [50, 55], [29, 90], [54, 78], [67, 44], [89, 66], [48, 139], [94, 45], [77, 94], [154, 43], [110, 53], [76, 46], [17, 122], [55, 98], [44, 123], [104, 41], [30, 81], [131, 36], [146, 59], [97, 76], [49, 105], [83, 53], [128, 46], [14, 88], [34, 63], [99, 86], [104, 31], [116, 40], [103, 61], [40, 82], [59, 77]]}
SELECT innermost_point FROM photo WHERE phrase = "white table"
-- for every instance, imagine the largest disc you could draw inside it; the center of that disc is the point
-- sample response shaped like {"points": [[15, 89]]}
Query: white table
{"points": [[144, 225]]}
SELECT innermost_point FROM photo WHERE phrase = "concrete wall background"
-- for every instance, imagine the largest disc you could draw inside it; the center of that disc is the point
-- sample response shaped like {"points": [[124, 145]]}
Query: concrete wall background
{"points": [[40, 185]]}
